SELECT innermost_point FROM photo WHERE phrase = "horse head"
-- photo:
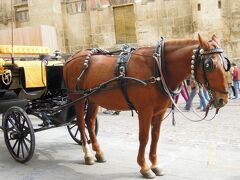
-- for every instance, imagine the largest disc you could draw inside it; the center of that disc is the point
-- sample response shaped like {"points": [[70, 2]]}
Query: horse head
{"points": [[213, 65]]}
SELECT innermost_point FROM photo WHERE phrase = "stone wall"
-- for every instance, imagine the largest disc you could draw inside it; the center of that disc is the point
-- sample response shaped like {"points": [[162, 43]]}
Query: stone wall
{"points": [[102, 26], [47, 13], [171, 19], [233, 19], [77, 30], [94, 26]]}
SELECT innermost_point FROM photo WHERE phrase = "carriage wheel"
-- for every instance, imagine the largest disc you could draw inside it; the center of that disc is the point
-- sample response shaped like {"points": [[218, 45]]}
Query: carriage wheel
{"points": [[18, 134], [75, 132]]}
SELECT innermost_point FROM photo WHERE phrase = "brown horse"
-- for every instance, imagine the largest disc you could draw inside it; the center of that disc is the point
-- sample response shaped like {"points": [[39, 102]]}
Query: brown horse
{"points": [[203, 59]]}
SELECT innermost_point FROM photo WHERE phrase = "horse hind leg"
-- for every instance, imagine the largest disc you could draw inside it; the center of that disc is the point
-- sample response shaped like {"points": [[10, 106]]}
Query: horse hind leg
{"points": [[79, 109], [90, 119], [155, 132], [145, 117]]}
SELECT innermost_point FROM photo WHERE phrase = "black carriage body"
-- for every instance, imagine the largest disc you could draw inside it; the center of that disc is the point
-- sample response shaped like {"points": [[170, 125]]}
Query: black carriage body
{"points": [[54, 97], [38, 101], [9, 93], [17, 102], [55, 80]]}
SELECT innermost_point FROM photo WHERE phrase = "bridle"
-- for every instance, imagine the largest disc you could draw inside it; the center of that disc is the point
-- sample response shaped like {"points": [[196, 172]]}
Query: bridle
{"points": [[207, 63], [198, 58]]}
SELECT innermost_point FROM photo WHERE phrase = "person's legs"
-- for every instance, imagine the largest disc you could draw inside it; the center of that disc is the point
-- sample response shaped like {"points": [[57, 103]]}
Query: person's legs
{"points": [[229, 90], [236, 85], [200, 104], [189, 102], [233, 90], [176, 98], [184, 94], [202, 99], [206, 95]]}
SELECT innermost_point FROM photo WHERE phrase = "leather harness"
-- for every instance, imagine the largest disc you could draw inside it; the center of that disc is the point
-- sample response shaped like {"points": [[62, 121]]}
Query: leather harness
{"points": [[121, 72], [121, 69]]}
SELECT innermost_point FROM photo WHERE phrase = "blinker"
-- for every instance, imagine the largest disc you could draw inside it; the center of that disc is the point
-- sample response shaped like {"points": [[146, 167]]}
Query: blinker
{"points": [[226, 64], [208, 65]]}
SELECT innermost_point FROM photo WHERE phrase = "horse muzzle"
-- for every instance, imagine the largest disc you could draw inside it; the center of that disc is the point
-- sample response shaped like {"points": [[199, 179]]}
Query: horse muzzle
{"points": [[219, 102]]}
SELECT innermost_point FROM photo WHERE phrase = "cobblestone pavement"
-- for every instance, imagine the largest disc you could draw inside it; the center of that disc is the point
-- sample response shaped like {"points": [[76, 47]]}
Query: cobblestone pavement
{"points": [[207, 150]]}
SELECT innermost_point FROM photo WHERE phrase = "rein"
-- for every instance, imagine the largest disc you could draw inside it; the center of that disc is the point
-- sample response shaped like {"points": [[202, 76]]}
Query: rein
{"points": [[159, 58], [94, 90]]}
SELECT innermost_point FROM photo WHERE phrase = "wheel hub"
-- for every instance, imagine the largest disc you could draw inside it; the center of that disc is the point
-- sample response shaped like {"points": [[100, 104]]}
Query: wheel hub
{"points": [[16, 135]]}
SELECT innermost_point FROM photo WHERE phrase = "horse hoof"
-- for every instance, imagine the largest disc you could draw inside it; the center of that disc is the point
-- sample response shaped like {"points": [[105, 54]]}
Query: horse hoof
{"points": [[158, 171], [148, 174], [89, 160], [100, 158]]}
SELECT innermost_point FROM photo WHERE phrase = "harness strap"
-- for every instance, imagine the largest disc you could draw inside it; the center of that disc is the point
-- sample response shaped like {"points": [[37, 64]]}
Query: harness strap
{"points": [[94, 51], [159, 57], [86, 94], [95, 90], [174, 104], [121, 69]]}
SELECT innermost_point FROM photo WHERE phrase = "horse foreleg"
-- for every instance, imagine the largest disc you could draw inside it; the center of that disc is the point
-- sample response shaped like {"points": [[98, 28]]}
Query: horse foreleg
{"points": [[79, 109], [145, 117], [90, 119], [155, 132]]}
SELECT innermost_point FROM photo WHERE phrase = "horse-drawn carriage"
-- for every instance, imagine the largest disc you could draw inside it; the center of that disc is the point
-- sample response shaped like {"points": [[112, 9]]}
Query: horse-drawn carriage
{"points": [[144, 80], [32, 84]]}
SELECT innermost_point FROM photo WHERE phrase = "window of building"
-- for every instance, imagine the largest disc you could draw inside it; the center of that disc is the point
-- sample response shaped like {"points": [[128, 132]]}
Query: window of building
{"points": [[124, 19], [74, 7], [199, 7], [69, 8], [120, 2], [20, 1], [219, 5], [22, 16]]}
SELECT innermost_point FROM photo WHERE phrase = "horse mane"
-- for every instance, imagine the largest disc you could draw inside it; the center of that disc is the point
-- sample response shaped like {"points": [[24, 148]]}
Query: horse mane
{"points": [[173, 43], [181, 42]]}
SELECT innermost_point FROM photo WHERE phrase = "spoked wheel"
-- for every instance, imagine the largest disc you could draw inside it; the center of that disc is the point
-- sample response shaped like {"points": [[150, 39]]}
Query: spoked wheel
{"points": [[18, 134], [75, 132]]}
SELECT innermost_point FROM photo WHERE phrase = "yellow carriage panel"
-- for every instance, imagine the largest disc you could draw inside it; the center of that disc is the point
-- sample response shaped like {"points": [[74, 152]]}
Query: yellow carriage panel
{"points": [[35, 72], [24, 50]]}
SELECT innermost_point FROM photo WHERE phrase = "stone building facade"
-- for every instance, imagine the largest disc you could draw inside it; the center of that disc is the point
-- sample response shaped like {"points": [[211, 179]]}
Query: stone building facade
{"points": [[110, 23]]}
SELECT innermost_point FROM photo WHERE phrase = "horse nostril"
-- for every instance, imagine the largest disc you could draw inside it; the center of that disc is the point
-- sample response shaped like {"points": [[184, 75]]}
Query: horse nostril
{"points": [[221, 102]]}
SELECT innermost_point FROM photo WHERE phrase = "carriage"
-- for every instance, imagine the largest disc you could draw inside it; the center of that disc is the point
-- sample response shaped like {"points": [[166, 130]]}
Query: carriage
{"points": [[32, 84], [144, 80]]}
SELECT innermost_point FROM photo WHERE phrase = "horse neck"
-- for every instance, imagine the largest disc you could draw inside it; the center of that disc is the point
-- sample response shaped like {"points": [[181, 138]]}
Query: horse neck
{"points": [[178, 56]]}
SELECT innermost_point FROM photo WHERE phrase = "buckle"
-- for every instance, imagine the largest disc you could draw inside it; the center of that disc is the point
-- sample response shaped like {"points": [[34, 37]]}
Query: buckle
{"points": [[154, 79], [122, 70]]}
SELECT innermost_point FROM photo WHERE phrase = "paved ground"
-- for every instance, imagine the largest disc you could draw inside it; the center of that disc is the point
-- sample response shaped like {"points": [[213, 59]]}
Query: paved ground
{"points": [[208, 150]]}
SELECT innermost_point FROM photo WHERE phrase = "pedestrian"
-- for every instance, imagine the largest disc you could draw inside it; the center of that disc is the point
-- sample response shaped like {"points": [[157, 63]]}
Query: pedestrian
{"points": [[196, 89], [204, 98], [206, 94], [183, 93], [236, 79], [229, 84]]}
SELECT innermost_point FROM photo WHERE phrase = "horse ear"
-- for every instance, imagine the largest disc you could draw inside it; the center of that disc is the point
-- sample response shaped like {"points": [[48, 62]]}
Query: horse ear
{"points": [[214, 38], [204, 44]]}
